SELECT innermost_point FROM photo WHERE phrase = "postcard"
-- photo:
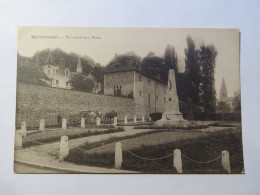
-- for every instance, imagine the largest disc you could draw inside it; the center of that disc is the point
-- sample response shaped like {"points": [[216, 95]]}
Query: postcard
{"points": [[128, 100]]}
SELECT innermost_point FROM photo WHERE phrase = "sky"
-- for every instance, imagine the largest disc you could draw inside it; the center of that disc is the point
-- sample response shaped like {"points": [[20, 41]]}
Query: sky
{"points": [[101, 44]]}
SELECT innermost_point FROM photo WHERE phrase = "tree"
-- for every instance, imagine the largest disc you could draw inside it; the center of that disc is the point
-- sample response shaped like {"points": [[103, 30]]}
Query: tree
{"points": [[154, 66], [127, 59], [237, 103], [71, 59], [171, 59], [223, 107], [80, 82], [192, 72], [207, 58]]}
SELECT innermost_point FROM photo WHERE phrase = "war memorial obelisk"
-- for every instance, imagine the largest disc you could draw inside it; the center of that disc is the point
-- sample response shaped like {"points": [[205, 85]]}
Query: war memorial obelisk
{"points": [[171, 113]]}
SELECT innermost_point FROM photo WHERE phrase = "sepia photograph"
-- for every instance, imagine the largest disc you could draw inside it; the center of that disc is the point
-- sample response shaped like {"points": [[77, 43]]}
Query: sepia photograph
{"points": [[93, 100]]}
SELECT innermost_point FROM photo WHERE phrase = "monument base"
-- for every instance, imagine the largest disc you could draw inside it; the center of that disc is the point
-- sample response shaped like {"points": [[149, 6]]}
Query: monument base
{"points": [[170, 119]]}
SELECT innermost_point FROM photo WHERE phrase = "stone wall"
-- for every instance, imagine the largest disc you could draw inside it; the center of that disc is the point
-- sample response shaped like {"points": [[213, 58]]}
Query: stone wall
{"points": [[123, 79], [36, 102]]}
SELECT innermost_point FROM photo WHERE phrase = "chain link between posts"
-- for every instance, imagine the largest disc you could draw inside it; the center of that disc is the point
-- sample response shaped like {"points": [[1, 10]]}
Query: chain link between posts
{"points": [[143, 158], [205, 162]]}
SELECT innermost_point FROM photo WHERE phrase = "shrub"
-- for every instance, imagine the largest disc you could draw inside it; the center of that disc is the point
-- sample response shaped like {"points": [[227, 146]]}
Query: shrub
{"points": [[156, 116]]}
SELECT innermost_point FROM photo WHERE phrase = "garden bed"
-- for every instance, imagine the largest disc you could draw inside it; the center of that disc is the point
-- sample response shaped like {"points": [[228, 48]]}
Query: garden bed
{"points": [[39, 137], [200, 149]]}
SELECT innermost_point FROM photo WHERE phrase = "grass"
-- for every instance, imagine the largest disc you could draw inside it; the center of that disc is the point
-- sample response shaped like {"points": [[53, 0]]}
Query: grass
{"points": [[200, 149], [172, 127], [55, 135]]}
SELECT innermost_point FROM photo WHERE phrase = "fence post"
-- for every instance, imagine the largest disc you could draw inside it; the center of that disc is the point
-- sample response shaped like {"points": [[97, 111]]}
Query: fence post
{"points": [[64, 123], [118, 155], [177, 163], [143, 119], [23, 128], [98, 121], [64, 147], [18, 140], [42, 125], [135, 119], [115, 121], [82, 124], [225, 161], [126, 120]]}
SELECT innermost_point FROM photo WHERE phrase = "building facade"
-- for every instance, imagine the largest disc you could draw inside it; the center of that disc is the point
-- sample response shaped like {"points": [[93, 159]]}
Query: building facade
{"points": [[148, 92], [58, 74]]}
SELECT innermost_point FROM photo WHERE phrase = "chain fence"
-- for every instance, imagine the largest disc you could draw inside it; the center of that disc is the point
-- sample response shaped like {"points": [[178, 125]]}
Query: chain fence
{"points": [[143, 158]]}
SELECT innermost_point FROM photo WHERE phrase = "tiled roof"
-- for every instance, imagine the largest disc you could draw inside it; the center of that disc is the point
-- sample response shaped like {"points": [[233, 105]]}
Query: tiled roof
{"points": [[30, 72], [127, 68]]}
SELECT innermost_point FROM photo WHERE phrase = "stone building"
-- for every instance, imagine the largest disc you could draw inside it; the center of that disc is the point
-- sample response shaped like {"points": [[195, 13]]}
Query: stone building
{"points": [[126, 81], [30, 72], [58, 74]]}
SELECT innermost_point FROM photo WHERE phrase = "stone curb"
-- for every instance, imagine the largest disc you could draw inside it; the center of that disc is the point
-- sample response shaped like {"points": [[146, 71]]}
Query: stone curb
{"points": [[69, 170]]}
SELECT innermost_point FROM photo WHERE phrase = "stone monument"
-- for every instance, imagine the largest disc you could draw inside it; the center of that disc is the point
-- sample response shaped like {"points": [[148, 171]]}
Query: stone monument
{"points": [[171, 114]]}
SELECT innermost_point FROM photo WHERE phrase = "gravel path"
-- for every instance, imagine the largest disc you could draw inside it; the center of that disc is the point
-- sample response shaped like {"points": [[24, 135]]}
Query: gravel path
{"points": [[53, 148], [156, 139]]}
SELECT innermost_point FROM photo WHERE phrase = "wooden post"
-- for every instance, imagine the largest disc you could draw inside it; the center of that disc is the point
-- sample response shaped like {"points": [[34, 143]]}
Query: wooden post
{"points": [[42, 125], [82, 123], [177, 163], [64, 147], [226, 161], [118, 155], [64, 123]]}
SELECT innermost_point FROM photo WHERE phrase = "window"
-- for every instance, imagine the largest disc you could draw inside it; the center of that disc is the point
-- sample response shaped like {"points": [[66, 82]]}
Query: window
{"points": [[156, 98], [149, 81], [140, 77], [149, 99], [57, 71], [140, 93], [53, 70], [49, 72], [67, 84], [57, 82]]}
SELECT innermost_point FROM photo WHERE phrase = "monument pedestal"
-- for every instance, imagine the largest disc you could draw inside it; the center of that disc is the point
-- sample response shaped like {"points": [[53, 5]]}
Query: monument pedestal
{"points": [[172, 115]]}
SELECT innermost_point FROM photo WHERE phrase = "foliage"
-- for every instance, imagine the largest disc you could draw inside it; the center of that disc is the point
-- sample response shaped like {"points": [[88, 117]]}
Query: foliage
{"points": [[223, 107], [154, 66], [127, 59], [81, 83], [192, 72], [156, 116], [207, 57], [171, 59], [237, 103]]}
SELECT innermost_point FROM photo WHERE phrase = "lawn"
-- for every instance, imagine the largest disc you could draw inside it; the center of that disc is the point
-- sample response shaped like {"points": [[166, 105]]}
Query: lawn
{"points": [[38, 137], [200, 148]]}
